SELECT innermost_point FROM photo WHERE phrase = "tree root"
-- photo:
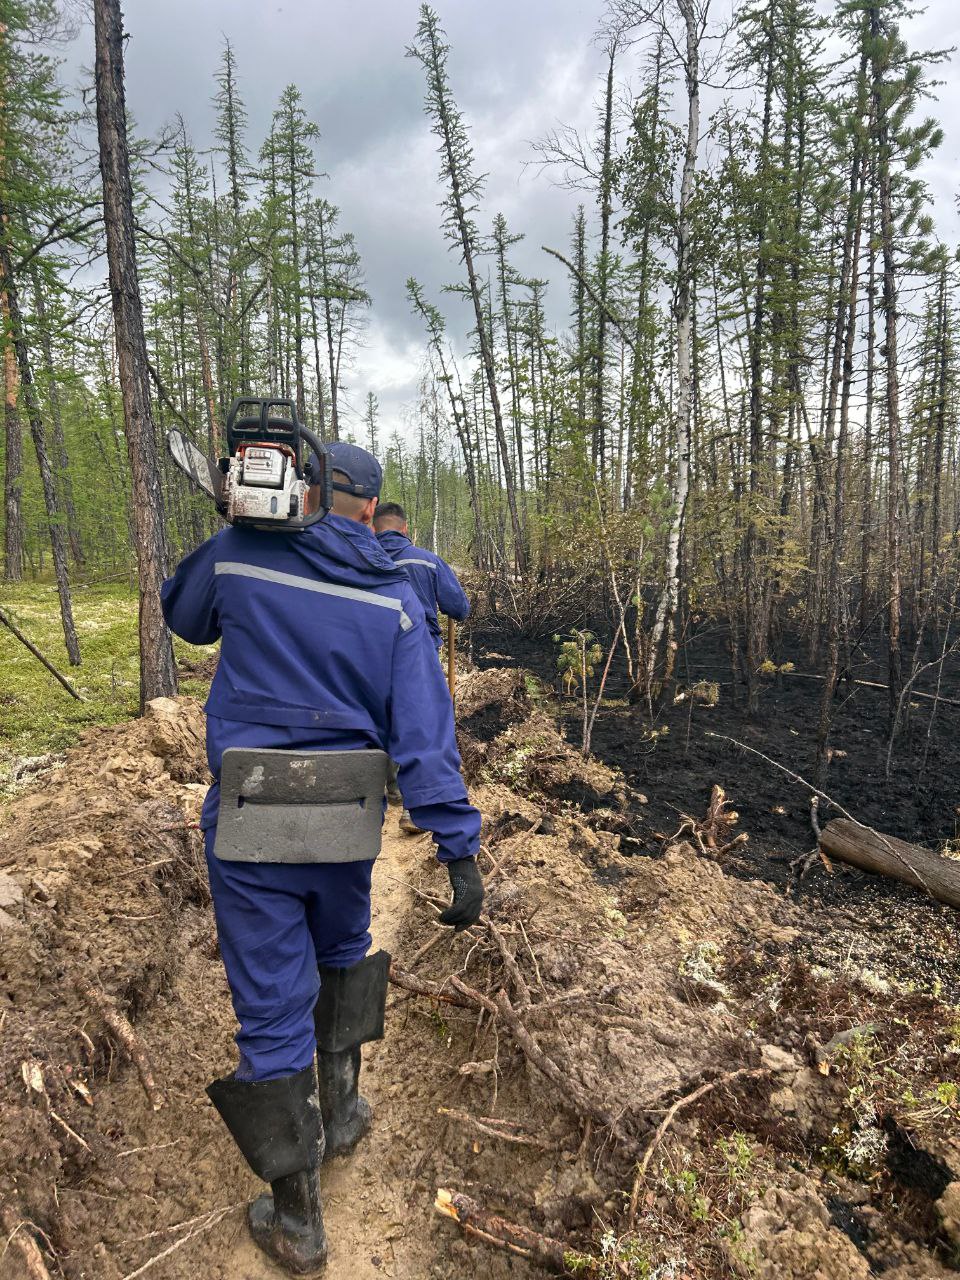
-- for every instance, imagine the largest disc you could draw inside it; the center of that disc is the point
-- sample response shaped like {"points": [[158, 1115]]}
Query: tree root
{"points": [[666, 1122], [502, 1130], [455, 991], [133, 1046], [14, 1226], [714, 835]]}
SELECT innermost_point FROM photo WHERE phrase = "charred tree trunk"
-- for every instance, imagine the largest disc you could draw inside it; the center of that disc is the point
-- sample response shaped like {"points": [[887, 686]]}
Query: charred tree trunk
{"points": [[889, 305], [157, 672], [843, 360], [755, 628]]}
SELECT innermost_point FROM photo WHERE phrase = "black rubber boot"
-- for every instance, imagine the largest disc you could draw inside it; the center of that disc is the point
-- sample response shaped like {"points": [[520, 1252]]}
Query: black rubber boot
{"points": [[349, 1012], [288, 1224], [346, 1116], [278, 1127], [393, 790]]}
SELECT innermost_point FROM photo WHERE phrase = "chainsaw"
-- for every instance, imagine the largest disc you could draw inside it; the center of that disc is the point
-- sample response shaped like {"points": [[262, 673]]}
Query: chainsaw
{"points": [[264, 480]]}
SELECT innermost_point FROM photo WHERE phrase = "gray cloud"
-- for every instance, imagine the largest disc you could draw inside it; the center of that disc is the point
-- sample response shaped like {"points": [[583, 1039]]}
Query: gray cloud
{"points": [[518, 67]]}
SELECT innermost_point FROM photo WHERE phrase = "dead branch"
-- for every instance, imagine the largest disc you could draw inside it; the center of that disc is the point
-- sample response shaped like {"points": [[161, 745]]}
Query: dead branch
{"points": [[503, 1130], [424, 987], [133, 1046], [876, 684], [801, 864], [622, 326], [208, 1220], [15, 1227], [455, 991], [443, 934], [9, 623], [667, 1121], [517, 1239]]}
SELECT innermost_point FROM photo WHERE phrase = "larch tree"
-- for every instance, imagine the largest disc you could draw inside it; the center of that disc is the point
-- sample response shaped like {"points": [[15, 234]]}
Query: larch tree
{"points": [[464, 189], [158, 676]]}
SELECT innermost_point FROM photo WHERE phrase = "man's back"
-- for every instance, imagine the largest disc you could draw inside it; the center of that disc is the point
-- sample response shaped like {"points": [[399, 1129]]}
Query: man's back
{"points": [[320, 632], [308, 623]]}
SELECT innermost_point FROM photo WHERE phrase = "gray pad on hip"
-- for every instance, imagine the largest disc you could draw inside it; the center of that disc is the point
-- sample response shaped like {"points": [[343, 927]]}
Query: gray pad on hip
{"points": [[300, 806]]}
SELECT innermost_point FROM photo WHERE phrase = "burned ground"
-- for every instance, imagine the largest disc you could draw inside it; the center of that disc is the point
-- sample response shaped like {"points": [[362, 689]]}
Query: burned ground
{"points": [[674, 760]]}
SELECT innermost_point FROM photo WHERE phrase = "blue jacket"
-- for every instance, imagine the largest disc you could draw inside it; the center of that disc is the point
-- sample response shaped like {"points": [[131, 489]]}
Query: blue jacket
{"points": [[324, 644], [435, 583]]}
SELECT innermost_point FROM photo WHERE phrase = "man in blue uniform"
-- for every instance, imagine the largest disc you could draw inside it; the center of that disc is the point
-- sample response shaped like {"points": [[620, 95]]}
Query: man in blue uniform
{"points": [[324, 646], [435, 583], [438, 590]]}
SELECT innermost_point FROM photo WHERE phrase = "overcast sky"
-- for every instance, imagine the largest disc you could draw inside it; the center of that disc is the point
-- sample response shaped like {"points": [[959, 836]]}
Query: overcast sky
{"points": [[518, 68]]}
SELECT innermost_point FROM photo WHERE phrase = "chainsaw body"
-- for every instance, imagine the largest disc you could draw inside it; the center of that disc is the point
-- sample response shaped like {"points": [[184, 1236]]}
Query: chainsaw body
{"points": [[264, 480]]}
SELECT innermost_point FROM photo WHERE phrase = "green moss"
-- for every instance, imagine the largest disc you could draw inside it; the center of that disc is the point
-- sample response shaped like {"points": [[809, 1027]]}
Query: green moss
{"points": [[38, 715]]}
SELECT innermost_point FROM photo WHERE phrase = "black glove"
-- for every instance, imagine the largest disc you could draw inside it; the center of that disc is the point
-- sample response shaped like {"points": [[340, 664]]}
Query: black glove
{"points": [[467, 894]]}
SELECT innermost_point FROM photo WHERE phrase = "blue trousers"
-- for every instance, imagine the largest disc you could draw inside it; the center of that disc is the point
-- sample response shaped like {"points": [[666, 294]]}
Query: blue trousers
{"points": [[276, 923]]}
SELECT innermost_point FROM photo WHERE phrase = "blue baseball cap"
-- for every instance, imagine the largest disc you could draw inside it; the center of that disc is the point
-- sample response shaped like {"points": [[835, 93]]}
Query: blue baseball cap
{"points": [[360, 467]]}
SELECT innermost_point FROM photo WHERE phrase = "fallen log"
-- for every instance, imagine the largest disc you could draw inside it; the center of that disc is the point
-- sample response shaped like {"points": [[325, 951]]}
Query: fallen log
{"points": [[887, 856]]}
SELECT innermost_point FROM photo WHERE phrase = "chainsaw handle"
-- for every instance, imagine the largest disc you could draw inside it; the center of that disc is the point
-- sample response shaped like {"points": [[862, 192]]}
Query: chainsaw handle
{"points": [[325, 481]]}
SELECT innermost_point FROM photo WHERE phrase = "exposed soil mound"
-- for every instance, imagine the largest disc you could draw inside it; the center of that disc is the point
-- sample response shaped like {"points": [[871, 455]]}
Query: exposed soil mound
{"points": [[98, 860], [508, 732]]}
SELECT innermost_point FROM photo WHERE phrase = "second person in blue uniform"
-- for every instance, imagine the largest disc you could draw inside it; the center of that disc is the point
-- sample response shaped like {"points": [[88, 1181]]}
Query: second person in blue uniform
{"points": [[435, 583], [438, 590]]}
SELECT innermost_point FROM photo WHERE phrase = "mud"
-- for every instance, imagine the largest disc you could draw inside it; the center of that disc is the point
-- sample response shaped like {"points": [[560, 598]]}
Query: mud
{"points": [[641, 977]]}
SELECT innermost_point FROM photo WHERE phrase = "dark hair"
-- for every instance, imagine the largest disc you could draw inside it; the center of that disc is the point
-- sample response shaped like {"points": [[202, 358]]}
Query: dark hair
{"points": [[390, 509]]}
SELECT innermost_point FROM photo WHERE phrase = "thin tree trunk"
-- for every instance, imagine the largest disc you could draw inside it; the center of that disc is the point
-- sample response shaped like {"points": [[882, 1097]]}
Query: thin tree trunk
{"points": [[157, 671], [62, 460], [662, 632], [13, 456], [835, 602], [58, 545], [889, 304], [866, 516], [755, 630], [603, 274], [462, 220]]}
